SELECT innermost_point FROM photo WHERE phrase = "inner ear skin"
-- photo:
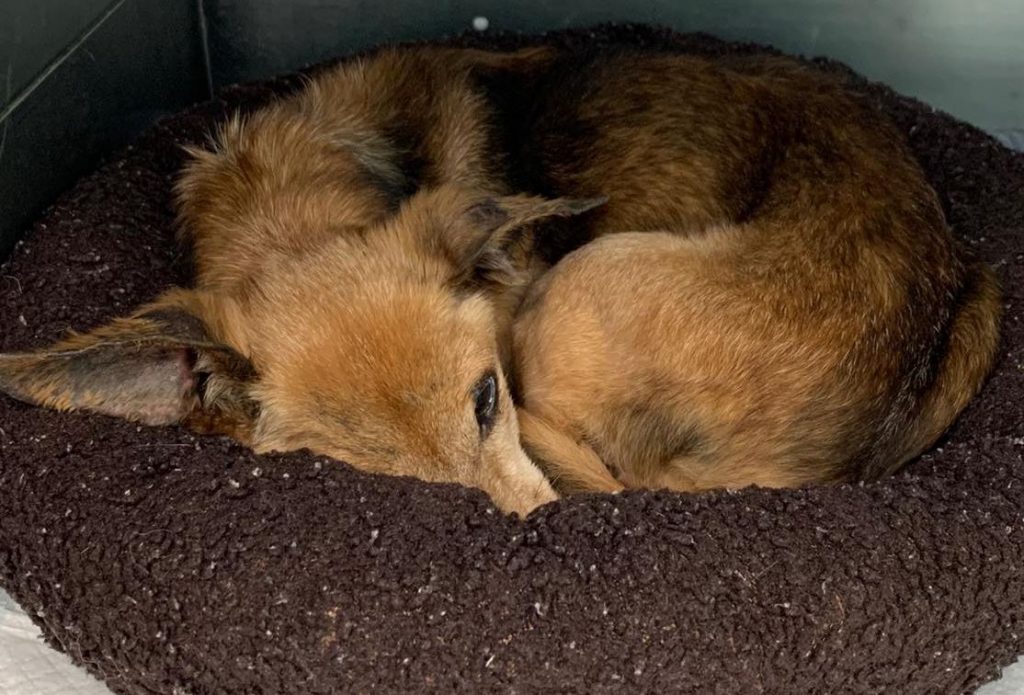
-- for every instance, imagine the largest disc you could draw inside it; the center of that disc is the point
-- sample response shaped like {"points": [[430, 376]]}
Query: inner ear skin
{"points": [[495, 246], [487, 215], [144, 382], [224, 404], [160, 367]]}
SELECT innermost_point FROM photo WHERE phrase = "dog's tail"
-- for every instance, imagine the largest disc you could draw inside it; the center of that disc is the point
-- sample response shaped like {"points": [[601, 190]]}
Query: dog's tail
{"points": [[971, 346], [572, 466]]}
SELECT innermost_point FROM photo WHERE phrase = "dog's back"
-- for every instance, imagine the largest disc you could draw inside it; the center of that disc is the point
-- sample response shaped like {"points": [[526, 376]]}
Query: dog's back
{"points": [[809, 316]]}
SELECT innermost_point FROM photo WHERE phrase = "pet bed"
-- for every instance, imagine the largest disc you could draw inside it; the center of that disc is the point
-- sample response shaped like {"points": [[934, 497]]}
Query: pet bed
{"points": [[168, 563]]}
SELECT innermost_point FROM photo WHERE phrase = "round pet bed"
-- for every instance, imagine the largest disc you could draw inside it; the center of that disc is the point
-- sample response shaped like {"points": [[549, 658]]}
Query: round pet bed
{"points": [[168, 563]]}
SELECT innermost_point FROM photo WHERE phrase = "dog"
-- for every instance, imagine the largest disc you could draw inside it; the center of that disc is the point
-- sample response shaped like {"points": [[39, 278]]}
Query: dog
{"points": [[363, 249]]}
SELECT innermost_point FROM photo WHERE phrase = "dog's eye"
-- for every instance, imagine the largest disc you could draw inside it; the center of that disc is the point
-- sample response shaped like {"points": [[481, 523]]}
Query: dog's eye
{"points": [[485, 397]]}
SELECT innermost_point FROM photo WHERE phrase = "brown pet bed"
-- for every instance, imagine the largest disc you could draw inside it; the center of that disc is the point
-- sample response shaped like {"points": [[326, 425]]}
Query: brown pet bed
{"points": [[167, 563]]}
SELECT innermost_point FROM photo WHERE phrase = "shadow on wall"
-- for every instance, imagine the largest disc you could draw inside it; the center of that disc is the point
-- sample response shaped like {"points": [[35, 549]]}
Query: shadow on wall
{"points": [[963, 57]]}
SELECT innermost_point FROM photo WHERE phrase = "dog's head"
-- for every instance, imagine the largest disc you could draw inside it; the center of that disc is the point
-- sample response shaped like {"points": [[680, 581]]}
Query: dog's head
{"points": [[380, 349]]}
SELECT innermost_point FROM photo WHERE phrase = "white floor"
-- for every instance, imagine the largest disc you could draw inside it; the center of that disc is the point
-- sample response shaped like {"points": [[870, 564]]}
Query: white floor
{"points": [[1012, 682], [29, 667]]}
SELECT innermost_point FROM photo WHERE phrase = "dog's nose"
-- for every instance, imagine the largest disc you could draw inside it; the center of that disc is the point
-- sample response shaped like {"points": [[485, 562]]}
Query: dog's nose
{"points": [[526, 498]]}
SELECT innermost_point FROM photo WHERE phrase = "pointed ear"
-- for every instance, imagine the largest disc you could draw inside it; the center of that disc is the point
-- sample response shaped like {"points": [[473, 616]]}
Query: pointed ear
{"points": [[488, 244], [159, 367]]}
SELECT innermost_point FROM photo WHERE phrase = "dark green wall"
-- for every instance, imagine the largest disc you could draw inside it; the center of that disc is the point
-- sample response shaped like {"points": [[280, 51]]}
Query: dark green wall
{"points": [[84, 77], [34, 32], [80, 77], [961, 56]]}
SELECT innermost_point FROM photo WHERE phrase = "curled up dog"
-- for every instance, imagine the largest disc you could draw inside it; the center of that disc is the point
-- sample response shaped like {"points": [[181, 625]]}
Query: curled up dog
{"points": [[765, 290]]}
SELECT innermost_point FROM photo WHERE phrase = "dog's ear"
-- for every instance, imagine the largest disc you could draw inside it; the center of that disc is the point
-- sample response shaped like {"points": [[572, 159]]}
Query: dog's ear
{"points": [[493, 240], [159, 367]]}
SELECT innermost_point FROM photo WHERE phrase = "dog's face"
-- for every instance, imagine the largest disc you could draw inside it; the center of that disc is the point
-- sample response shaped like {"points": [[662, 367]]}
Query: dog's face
{"points": [[410, 386], [379, 349], [385, 355]]}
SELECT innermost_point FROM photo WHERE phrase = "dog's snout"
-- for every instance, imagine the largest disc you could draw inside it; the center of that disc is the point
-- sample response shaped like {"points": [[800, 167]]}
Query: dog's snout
{"points": [[519, 486], [522, 501]]}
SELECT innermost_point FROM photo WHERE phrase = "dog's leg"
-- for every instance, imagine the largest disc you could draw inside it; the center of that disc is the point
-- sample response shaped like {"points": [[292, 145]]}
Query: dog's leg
{"points": [[572, 465]]}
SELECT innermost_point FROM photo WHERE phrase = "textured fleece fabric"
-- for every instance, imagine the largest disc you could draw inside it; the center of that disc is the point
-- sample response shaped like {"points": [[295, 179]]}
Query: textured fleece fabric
{"points": [[169, 563]]}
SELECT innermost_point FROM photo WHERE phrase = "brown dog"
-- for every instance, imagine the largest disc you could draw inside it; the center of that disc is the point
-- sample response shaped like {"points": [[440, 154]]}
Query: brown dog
{"points": [[360, 257]]}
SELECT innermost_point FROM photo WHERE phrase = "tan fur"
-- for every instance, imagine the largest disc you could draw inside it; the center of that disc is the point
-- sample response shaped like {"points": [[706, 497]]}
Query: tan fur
{"points": [[317, 165], [795, 309], [779, 331]]}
